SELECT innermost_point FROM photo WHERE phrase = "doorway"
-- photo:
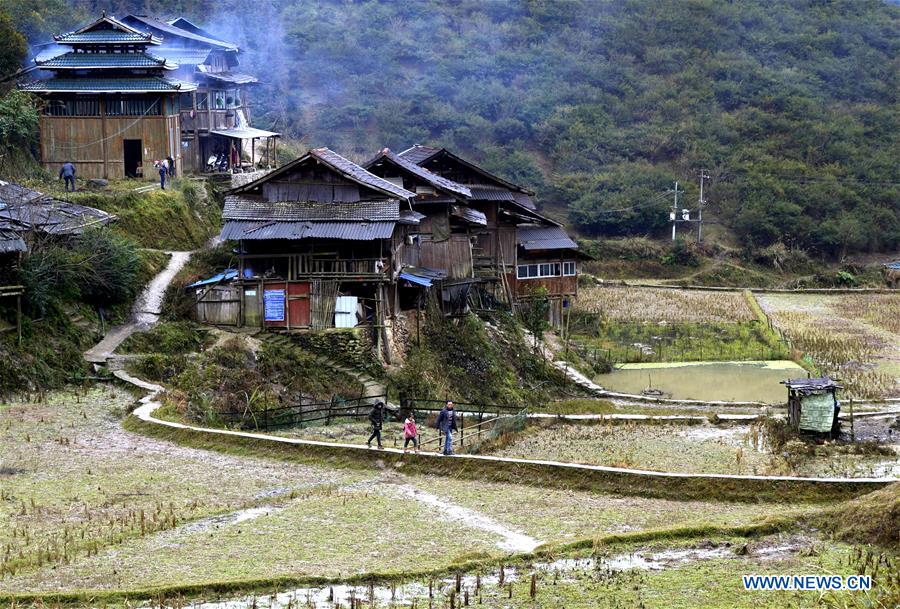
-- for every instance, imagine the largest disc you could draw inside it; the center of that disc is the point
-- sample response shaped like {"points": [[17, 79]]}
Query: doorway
{"points": [[133, 159]]}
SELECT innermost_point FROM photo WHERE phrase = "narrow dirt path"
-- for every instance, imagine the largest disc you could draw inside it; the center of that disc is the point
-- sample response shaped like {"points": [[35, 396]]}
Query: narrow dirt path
{"points": [[146, 311]]}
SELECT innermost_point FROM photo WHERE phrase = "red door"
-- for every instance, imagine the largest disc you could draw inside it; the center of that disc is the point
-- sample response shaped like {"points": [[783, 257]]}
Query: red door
{"points": [[298, 304]]}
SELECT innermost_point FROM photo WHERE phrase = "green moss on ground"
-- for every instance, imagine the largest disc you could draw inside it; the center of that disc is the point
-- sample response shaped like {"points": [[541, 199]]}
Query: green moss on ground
{"points": [[873, 518]]}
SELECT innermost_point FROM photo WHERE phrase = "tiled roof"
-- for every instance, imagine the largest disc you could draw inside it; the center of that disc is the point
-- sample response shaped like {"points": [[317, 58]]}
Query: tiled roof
{"points": [[171, 30], [488, 193], [417, 153], [74, 60], [10, 241], [238, 207], [23, 209], [354, 231], [544, 238], [420, 172], [103, 37], [234, 78], [108, 85], [357, 173]]}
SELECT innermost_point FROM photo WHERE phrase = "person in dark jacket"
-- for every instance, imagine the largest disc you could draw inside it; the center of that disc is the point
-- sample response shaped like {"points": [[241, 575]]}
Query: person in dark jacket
{"points": [[446, 422], [171, 167], [67, 173], [376, 418], [163, 172]]}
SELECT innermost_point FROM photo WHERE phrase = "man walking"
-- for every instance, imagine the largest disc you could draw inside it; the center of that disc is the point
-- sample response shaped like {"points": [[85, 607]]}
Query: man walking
{"points": [[67, 173], [446, 422], [376, 418]]}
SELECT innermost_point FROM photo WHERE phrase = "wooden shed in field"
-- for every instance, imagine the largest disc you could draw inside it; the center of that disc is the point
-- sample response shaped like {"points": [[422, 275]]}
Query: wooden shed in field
{"points": [[813, 404]]}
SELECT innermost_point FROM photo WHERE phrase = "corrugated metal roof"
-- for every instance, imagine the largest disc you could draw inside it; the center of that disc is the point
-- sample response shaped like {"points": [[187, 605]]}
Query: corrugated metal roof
{"points": [[226, 275], [239, 207], [417, 154], [172, 30], [421, 275], [234, 78], [23, 209], [420, 172], [894, 266], [14, 194], [491, 193], [183, 56], [408, 216], [359, 174], [544, 238], [142, 84], [348, 230], [809, 385], [245, 133], [93, 61]]}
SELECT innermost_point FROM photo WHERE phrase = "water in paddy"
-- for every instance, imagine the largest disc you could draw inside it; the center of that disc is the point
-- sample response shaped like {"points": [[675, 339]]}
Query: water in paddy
{"points": [[713, 381]]}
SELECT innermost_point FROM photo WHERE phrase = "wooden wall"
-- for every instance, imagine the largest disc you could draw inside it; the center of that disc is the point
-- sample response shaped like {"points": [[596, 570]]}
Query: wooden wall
{"points": [[96, 144], [453, 255]]}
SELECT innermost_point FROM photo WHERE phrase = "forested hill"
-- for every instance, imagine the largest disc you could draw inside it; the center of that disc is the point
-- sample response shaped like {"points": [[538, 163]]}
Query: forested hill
{"points": [[600, 105]]}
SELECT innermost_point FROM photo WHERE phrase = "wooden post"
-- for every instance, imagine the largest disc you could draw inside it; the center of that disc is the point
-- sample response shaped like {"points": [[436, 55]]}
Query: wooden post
{"points": [[19, 317], [462, 429], [852, 428], [104, 146]]}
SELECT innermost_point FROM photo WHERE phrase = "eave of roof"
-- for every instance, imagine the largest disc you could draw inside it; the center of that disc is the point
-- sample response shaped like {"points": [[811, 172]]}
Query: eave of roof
{"points": [[177, 31], [430, 177], [140, 84], [234, 78], [239, 207], [100, 61], [236, 230], [418, 151], [340, 165]]}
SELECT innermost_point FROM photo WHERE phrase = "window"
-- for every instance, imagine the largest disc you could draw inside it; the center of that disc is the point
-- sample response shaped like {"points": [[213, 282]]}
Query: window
{"points": [[568, 269], [82, 106], [203, 101], [133, 106], [536, 271]]}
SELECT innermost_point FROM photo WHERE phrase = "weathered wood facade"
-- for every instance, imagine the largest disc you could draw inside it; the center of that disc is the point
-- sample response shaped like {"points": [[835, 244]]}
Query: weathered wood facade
{"points": [[109, 105]]}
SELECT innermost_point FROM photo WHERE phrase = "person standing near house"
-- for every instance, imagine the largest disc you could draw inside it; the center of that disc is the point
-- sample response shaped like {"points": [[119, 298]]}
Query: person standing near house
{"points": [[410, 433], [446, 422], [67, 173], [171, 166], [163, 171], [376, 418]]}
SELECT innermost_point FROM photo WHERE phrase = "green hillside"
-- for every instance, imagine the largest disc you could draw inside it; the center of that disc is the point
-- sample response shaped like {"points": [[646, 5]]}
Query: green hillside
{"points": [[600, 105]]}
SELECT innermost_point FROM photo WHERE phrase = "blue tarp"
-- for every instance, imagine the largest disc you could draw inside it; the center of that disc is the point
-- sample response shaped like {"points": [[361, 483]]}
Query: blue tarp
{"points": [[423, 281], [422, 276], [227, 275]]}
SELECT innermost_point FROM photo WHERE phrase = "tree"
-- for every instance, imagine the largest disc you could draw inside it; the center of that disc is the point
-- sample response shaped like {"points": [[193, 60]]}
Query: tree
{"points": [[13, 46]]}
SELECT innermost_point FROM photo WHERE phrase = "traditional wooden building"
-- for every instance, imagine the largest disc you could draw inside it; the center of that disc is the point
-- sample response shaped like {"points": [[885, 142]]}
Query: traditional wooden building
{"points": [[546, 257], [110, 104], [216, 114], [314, 230]]}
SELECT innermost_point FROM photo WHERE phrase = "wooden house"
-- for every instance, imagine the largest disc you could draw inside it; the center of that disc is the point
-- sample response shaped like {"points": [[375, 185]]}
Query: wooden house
{"points": [[514, 246], [110, 104], [813, 404], [318, 228], [215, 115]]}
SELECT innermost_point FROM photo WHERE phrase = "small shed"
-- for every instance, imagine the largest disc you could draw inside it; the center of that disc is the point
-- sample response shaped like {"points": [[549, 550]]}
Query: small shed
{"points": [[812, 403], [891, 273]]}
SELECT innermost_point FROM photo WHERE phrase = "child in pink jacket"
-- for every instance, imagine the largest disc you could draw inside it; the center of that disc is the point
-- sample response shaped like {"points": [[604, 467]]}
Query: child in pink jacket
{"points": [[410, 433]]}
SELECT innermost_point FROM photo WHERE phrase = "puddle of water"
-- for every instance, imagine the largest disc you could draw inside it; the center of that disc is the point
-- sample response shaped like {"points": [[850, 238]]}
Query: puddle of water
{"points": [[204, 524], [513, 541], [402, 594], [713, 381]]}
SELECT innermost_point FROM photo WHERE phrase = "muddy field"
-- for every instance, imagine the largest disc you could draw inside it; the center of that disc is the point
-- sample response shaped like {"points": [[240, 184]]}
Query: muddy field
{"points": [[700, 449]]}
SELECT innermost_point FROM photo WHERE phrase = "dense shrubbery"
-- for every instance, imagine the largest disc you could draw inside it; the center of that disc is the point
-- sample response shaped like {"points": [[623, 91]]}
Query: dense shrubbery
{"points": [[99, 268], [169, 338]]}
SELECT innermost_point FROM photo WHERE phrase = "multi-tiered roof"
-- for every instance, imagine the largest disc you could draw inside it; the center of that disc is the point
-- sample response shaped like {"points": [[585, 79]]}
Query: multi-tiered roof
{"points": [[107, 56]]}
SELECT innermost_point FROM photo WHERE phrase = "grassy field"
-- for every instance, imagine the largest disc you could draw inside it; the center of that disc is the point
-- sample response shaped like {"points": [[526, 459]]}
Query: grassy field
{"points": [[632, 304], [852, 337], [89, 505], [708, 449]]}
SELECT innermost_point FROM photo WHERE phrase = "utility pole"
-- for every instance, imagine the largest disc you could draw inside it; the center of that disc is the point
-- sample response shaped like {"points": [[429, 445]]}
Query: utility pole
{"points": [[704, 175], [674, 214]]}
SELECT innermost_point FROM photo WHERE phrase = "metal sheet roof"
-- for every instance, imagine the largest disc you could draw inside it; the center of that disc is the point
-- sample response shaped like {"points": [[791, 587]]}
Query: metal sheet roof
{"points": [[422, 276], [234, 78], [23, 210], [408, 216], [226, 275], [490, 193], [348, 230], [809, 385], [96, 61], [239, 207], [544, 238], [472, 216], [183, 56], [142, 84], [894, 266], [245, 133], [420, 172]]}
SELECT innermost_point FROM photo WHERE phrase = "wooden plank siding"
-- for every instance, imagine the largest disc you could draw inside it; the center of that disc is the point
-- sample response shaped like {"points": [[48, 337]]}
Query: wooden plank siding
{"points": [[453, 255], [80, 139]]}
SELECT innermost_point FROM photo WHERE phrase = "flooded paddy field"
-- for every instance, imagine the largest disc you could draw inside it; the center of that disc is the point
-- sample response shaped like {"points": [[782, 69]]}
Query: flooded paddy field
{"points": [[752, 381], [703, 449], [704, 573]]}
